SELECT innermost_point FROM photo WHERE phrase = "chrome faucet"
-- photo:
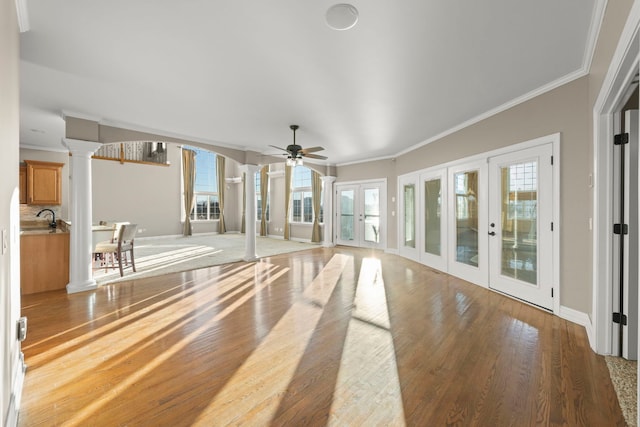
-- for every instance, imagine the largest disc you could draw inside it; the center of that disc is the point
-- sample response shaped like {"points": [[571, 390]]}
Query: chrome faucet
{"points": [[53, 223]]}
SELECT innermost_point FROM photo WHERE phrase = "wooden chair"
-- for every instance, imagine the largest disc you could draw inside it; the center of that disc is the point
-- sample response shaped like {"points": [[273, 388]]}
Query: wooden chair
{"points": [[118, 249]]}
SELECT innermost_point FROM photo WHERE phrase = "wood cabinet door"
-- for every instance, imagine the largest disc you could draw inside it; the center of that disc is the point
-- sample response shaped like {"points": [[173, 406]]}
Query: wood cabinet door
{"points": [[44, 183]]}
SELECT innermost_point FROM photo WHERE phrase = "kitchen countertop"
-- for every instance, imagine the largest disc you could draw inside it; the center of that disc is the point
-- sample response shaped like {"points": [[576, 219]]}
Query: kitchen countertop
{"points": [[31, 231]]}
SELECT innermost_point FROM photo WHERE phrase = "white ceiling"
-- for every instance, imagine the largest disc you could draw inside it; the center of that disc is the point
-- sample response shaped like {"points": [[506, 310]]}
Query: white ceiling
{"points": [[238, 73]]}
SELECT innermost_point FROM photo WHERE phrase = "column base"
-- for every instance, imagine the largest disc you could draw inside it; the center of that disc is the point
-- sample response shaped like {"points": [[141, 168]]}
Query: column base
{"points": [[250, 258], [89, 285]]}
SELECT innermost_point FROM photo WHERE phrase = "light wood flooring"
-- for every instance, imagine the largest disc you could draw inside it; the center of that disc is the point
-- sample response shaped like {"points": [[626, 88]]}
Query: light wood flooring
{"points": [[319, 337]]}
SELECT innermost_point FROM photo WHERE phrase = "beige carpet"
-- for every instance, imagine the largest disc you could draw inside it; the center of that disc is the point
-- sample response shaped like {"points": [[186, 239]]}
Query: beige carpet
{"points": [[624, 376], [155, 257]]}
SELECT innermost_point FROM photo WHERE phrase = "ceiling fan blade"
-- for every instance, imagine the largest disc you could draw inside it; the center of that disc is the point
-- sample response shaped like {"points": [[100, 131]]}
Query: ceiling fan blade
{"points": [[311, 150], [314, 156], [278, 148]]}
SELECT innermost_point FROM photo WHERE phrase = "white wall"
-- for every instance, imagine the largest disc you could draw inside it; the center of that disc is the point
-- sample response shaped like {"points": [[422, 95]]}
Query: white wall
{"points": [[10, 364], [150, 196]]}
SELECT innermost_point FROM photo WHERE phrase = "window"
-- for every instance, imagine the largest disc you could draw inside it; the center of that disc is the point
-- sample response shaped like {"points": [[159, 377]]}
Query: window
{"points": [[301, 196], [259, 198], [206, 206]]}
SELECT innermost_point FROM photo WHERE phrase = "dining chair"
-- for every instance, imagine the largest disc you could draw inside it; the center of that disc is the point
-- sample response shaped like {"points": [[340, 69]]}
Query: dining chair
{"points": [[118, 249]]}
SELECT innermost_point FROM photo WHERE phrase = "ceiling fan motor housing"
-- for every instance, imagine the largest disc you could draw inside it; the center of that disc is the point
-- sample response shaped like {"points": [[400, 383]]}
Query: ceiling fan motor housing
{"points": [[293, 148]]}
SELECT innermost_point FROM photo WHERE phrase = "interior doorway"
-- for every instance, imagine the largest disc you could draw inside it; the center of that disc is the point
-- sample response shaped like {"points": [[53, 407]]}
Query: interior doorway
{"points": [[617, 90], [624, 244]]}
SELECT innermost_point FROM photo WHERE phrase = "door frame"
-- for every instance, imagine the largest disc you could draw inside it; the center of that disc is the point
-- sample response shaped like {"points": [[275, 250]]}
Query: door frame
{"points": [[358, 185], [622, 69]]}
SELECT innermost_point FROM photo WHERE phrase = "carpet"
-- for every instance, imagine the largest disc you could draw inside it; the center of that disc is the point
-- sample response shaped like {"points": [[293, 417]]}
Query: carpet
{"points": [[624, 376], [158, 256]]}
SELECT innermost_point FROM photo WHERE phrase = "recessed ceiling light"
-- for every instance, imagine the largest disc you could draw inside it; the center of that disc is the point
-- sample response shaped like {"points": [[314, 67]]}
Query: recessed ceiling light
{"points": [[342, 16]]}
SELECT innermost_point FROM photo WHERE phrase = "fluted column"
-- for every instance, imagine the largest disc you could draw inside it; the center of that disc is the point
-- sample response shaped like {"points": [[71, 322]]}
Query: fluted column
{"points": [[250, 211], [327, 194], [80, 209]]}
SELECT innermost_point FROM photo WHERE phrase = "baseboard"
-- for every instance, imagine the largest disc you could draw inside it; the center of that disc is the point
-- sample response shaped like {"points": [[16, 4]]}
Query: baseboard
{"points": [[175, 236], [580, 318], [11, 419], [297, 239], [392, 251]]}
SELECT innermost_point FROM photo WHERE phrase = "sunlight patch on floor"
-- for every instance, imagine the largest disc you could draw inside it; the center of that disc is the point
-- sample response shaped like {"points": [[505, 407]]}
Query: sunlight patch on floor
{"points": [[163, 260], [83, 416], [368, 370], [246, 398]]}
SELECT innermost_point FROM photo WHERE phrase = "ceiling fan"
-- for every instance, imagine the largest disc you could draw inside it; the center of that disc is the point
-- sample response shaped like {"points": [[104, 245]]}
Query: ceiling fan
{"points": [[296, 152]]}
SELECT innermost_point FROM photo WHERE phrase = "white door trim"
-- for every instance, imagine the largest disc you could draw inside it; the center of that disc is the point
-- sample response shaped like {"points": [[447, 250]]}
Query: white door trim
{"points": [[622, 69]]}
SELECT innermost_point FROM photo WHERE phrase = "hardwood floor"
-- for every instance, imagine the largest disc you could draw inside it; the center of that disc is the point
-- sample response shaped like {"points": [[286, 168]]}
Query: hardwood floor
{"points": [[320, 337]]}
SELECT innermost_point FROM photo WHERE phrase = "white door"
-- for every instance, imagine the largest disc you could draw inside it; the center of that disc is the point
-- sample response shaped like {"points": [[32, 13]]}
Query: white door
{"points": [[433, 219], [467, 237], [520, 225], [361, 219], [625, 241]]}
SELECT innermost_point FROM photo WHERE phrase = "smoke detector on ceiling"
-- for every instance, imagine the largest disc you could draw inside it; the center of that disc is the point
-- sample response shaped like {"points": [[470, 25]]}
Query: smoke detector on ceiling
{"points": [[342, 16]]}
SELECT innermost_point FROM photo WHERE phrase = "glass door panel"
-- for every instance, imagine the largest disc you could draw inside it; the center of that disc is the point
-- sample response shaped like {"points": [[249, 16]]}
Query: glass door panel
{"points": [[432, 220], [409, 216], [347, 217], [519, 191], [466, 217], [372, 215]]}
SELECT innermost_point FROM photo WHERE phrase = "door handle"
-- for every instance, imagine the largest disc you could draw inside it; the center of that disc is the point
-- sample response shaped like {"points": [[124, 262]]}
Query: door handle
{"points": [[492, 233]]}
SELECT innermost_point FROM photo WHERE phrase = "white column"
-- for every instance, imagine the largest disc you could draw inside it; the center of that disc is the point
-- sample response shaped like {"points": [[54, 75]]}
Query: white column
{"points": [[250, 213], [327, 194], [80, 209]]}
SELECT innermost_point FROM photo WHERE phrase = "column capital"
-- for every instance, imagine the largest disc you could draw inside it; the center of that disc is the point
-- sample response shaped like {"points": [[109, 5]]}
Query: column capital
{"points": [[80, 147], [250, 168], [328, 179]]}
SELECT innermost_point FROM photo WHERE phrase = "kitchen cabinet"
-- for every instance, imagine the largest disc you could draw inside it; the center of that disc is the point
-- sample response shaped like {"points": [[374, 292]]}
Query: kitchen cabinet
{"points": [[44, 261], [43, 182]]}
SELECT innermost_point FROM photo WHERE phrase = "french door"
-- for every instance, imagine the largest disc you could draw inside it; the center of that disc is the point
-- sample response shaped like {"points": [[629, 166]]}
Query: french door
{"points": [[488, 220], [520, 227], [361, 219]]}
